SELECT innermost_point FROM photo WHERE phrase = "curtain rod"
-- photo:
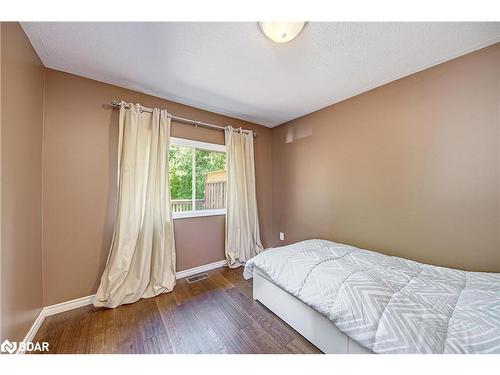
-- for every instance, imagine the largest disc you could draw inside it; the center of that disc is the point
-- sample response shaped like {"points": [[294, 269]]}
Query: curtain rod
{"points": [[118, 104]]}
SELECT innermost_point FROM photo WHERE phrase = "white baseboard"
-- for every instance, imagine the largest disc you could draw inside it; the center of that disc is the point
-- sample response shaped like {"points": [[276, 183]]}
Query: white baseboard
{"points": [[33, 330], [88, 300], [68, 305], [200, 269]]}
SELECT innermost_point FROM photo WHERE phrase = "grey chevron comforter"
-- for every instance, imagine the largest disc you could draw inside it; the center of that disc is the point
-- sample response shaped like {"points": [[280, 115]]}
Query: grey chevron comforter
{"points": [[389, 304]]}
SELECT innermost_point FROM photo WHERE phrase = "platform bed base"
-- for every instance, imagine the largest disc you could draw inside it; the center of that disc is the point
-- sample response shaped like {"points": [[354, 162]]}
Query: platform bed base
{"points": [[317, 329]]}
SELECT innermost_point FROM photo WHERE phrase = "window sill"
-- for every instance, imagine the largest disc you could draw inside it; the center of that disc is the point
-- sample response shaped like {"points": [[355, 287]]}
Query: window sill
{"points": [[200, 213]]}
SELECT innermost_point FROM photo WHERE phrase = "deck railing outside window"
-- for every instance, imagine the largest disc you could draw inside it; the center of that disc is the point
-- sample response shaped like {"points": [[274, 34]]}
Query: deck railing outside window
{"points": [[214, 192], [180, 205]]}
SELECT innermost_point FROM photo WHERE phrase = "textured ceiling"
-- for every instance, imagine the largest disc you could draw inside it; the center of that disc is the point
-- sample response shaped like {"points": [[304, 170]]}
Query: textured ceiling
{"points": [[232, 69]]}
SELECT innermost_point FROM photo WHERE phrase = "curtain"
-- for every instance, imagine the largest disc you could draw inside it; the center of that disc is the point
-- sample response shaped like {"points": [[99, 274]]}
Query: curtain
{"points": [[242, 221], [141, 261]]}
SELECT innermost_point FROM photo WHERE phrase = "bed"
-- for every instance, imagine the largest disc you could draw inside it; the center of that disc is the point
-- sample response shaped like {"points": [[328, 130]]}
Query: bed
{"points": [[348, 300]]}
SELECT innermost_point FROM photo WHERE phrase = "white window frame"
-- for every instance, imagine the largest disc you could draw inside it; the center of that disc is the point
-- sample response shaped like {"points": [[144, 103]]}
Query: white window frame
{"points": [[200, 146]]}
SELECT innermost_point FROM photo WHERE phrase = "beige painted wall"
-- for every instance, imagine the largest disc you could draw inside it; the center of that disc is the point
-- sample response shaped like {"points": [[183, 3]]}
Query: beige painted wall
{"points": [[193, 234], [80, 144], [22, 85], [408, 169]]}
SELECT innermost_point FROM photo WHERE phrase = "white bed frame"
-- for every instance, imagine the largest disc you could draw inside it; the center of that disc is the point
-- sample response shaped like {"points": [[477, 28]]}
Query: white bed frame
{"points": [[316, 328]]}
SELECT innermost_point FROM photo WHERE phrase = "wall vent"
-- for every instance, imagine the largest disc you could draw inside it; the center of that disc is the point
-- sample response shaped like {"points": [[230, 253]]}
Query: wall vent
{"points": [[198, 277]]}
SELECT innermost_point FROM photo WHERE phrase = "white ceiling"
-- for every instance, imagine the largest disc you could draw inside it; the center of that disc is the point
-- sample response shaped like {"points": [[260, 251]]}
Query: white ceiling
{"points": [[232, 69]]}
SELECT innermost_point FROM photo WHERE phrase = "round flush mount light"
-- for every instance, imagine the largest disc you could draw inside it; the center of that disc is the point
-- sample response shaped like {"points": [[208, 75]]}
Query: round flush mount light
{"points": [[281, 32]]}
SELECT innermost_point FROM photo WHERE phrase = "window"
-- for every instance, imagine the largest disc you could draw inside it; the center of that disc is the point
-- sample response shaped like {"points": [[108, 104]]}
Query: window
{"points": [[197, 178]]}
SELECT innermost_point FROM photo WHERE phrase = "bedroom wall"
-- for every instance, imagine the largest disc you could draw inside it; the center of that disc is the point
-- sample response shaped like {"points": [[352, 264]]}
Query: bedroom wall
{"points": [[408, 169], [22, 85], [80, 147]]}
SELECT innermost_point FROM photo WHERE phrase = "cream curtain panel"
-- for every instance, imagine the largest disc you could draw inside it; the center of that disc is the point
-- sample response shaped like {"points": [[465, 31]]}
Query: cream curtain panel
{"points": [[141, 261], [242, 221]]}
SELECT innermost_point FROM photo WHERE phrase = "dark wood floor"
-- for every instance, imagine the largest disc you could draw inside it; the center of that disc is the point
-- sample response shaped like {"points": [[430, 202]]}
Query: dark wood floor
{"points": [[215, 315]]}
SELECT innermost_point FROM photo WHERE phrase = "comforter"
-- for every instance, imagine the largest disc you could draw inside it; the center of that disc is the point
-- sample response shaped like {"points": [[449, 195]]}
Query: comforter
{"points": [[389, 304]]}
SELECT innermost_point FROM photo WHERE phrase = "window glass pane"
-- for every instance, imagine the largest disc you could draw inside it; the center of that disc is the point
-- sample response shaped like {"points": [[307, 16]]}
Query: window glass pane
{"points": [[180, 170], [210, 180]]}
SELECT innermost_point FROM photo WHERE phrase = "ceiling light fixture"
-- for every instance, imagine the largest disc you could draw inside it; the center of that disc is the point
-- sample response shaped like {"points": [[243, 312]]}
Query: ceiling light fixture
{"points": [[281, 32]]}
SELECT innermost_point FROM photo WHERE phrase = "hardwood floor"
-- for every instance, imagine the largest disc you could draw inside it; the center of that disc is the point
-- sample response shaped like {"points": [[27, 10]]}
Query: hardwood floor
{"points": [[214, 315]]}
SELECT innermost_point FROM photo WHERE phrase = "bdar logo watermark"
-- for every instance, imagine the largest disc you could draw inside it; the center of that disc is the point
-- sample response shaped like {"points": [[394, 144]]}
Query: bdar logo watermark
{"points": [[8, 347], [12, 347]]}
